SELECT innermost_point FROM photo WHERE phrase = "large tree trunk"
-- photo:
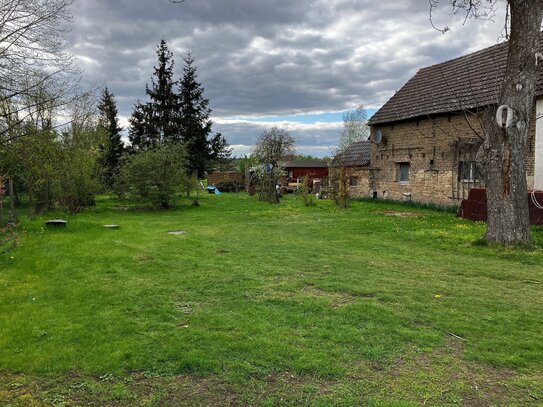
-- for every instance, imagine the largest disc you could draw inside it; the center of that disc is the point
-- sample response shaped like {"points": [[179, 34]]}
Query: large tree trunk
{"points": [[505, 149]]}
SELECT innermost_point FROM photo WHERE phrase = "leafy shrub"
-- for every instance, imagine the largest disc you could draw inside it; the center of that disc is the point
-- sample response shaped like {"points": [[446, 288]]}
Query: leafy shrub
{"points": [[78, 182], [155, 175], [305, 192]]}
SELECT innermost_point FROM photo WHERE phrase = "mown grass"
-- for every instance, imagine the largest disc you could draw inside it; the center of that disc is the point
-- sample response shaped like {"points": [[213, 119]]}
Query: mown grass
{"points": [[269, 305]]}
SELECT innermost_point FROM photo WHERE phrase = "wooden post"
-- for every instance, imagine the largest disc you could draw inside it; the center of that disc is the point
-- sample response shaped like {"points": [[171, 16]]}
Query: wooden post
{"points": [[12, 216]]}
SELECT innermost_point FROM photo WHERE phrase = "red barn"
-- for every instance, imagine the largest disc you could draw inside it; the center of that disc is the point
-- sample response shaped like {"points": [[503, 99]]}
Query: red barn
{"points": [[311, 168]]}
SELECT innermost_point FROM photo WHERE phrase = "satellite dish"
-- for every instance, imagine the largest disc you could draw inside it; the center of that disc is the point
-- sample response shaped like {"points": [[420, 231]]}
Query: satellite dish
{"points": [[377, 136]]}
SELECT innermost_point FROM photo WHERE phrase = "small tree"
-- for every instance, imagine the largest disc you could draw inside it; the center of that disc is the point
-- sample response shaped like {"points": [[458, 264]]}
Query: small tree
{"points": [[305, 191], [338, 186], [154, 175], [273, 146], [355, 128], [78, 155]]}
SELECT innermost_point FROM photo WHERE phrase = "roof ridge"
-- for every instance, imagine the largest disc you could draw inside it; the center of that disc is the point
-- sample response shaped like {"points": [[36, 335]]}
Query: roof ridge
{"points": [[457, 84], [465, 56]]}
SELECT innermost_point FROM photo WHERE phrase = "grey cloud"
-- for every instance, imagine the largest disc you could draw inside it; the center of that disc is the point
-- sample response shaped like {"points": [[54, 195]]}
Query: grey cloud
{"points": [[274, 57], [315, 139]]}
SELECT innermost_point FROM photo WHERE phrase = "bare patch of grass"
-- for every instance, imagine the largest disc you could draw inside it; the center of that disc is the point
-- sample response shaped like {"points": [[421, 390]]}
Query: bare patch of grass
{"points": [[399, 214]]}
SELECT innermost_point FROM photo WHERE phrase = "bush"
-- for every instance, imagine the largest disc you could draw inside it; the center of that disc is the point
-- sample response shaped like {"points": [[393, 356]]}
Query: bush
{"points": [[305, 193], [229, 186], [155, 176], [78, 182]]}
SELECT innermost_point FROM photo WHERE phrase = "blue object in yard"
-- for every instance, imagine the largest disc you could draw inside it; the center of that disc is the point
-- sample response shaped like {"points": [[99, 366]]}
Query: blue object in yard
{"points": [[213, 190]]}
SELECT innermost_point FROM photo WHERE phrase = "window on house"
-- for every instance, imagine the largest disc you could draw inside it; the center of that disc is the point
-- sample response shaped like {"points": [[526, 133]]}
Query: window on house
{"points": [[353, 181], [403, 172], [468, 171]]}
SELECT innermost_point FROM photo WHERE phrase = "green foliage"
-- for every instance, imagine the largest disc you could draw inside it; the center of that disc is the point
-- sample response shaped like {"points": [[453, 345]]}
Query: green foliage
{"points": [[157, 122], [38, 157], [339, 192], [77, 172], [77, 179], [305, 192], [244, 163], [155, 176], [113, 148], [55, 168], [203, 150], [174, 118]]}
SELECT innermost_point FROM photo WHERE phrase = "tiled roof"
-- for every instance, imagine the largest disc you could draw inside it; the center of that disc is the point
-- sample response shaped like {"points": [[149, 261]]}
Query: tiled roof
{"points": [[466, 82], [306, 164], [356, 155]]}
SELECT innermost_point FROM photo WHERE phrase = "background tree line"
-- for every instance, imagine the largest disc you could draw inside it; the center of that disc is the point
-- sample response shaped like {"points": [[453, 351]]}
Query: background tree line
{"points": [[62, 145]]}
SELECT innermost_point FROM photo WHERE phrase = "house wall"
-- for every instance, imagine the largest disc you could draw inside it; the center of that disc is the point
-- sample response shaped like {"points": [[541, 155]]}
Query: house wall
{"points": [[363, 187], [433, 148]]}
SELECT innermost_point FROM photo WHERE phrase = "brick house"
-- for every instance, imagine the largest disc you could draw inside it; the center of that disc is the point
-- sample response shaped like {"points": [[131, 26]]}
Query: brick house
{"points": [[426, 137]]}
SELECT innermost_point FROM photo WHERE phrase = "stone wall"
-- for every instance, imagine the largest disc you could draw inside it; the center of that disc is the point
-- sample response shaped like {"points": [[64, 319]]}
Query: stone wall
{"points": [[433, 148], [363, 187]]}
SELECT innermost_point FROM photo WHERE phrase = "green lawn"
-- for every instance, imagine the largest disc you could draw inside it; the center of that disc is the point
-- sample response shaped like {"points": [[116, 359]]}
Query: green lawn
{"points": [[380, 304]]}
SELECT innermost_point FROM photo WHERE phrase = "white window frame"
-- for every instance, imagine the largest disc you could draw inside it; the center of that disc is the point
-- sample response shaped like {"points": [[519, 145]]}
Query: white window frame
{"points": [[472, 173]]}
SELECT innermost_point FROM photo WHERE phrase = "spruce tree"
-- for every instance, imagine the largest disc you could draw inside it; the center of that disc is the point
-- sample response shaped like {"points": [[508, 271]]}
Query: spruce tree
{"points": [[109, 124], [163, 100], [202, 150], [156, 122], [139, 132]]}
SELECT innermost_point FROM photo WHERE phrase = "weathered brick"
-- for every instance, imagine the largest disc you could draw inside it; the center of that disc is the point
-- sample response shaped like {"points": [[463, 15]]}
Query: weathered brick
{"points": [[433, 147]]}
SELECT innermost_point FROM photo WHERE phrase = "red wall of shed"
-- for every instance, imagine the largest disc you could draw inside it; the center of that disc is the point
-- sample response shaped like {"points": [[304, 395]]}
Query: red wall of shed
{"points": [[312, 172]]}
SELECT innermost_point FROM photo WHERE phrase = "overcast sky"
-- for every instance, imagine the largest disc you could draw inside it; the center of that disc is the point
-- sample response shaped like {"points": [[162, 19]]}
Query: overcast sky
{"points": [[293, 63]]}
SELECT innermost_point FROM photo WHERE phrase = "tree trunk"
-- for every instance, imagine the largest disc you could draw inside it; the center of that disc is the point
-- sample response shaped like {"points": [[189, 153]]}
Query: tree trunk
{"points": [[505, 149], [273, 197]]}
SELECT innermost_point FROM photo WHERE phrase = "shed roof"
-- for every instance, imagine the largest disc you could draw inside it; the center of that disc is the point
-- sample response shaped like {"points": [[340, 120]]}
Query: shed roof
{"points": [[470, 81], [356, 155], [306, 164]]}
